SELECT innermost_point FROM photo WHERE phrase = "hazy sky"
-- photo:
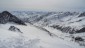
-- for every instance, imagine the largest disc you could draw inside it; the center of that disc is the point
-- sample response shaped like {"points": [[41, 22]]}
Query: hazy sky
{"points": [[41, 4]]}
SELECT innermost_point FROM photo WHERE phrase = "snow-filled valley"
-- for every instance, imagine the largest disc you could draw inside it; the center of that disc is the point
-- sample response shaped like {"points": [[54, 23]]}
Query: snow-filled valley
{"points": [[42, 30]]}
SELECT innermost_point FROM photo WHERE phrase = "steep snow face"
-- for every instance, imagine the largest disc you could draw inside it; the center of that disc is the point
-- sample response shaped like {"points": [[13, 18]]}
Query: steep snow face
{"points": [[31, 37]]}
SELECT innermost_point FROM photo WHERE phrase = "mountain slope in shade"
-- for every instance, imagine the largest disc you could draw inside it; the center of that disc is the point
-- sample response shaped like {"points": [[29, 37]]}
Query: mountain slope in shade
{"points": [[6, 17]]}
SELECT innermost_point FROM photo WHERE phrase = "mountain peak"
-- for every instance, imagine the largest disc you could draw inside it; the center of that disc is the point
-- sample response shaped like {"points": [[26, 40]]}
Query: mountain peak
{"points": [[6, 13], [6, 17]]}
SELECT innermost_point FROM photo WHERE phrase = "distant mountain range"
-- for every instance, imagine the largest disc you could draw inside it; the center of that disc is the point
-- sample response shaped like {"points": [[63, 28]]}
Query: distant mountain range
{"points": [[70, 22]]}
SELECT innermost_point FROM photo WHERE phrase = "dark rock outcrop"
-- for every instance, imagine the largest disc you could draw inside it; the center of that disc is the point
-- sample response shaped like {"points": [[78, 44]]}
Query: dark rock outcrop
{"points": [[78, 38], [68, 29], [82, 14], [81, 30], [15, 29], [8, 17], [64, 29]]}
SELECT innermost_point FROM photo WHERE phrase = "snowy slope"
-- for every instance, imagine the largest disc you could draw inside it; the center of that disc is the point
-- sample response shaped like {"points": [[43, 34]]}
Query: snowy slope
{"points": [[44, 30], [68, 22], [31, 37]]}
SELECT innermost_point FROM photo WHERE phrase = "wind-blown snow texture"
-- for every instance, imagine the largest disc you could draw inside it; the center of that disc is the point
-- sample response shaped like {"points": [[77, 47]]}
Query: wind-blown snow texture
{"points": [[44, 30]]}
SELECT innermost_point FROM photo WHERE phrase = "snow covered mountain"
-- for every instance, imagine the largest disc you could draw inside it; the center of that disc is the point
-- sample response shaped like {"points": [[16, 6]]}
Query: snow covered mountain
{"points": [[70, 22], [44, 30]]}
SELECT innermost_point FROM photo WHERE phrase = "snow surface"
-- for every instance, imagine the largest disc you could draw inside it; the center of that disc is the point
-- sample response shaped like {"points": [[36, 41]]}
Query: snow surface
{"points": [[36, 34], [31, 37]]}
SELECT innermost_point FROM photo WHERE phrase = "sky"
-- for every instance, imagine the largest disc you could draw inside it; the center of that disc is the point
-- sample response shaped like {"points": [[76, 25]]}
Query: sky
{"points": [[51, 5]]}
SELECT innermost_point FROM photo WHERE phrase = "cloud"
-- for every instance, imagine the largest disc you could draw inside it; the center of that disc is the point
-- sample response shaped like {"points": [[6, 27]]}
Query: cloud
{"points": [[41, 4]]}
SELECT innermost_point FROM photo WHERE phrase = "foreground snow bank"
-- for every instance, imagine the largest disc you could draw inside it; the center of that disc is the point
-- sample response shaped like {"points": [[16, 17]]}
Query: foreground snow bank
{"points": [[19, 42]]}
